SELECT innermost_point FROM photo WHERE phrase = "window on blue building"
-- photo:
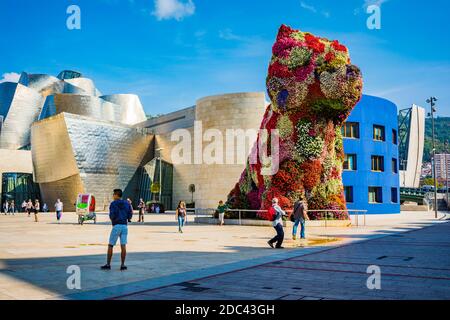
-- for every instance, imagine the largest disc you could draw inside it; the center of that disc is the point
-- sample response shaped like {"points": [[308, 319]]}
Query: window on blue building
{"points": [[394, 166], [378, 133], [348, 193], [378, 163], [350, 130], [375, 195], [394, 195], [350, 162], [394, 136]]}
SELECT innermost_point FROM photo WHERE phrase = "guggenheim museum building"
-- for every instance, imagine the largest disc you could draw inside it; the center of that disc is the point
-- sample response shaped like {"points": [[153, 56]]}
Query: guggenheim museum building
{"points": [[60, 136]]}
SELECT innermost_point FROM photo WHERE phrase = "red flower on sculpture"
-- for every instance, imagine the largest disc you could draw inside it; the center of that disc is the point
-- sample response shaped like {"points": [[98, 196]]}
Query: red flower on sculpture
{"points": [[314, 169], [314, 43], [278, 70], [338, 47], [284, 32], [329, 56]]}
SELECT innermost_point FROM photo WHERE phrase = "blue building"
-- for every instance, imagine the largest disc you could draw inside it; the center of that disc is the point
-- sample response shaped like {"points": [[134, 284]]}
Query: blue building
{"points": [[371, 166]]}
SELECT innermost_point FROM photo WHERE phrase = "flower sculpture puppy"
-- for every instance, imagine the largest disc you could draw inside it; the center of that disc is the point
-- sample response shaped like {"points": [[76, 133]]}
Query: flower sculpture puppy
{"points": [[313, 88]]}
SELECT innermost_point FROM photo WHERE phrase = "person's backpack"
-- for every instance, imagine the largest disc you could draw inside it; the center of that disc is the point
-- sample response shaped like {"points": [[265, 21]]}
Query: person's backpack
{"points": [[272, 214]]}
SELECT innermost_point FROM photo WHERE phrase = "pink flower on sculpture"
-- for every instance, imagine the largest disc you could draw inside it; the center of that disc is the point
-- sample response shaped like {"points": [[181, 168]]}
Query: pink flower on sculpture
{"points": [[283, 47]]}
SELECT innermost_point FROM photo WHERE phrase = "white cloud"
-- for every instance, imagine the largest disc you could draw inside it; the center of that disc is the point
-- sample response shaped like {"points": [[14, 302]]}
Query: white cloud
{"points": [[313, 9], [227, 34], [368, 3], [10, 77], [173, 9], [308, 7]]}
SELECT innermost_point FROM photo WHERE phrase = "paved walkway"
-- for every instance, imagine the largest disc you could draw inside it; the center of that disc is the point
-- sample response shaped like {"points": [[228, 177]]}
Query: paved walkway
{"points": [[34, 256], [414, 265]]}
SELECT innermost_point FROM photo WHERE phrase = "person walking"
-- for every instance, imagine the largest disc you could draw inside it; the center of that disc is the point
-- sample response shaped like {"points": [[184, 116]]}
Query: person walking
{"points": [[277, 213], [300, 216], [37, 208], [221, 208], [29, 207], [181, 215], [59, 209], [120, 213], [141, 207], [24, 206], [5, 207], [130, 203], [12, 207]]}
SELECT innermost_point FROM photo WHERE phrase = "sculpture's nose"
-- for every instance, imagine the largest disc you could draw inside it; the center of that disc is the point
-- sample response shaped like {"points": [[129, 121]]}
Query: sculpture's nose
{"points": [[353, 72]]}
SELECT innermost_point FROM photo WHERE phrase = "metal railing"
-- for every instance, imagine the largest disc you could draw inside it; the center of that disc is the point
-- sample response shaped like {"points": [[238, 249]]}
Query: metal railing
{"points": [[212, 211], [357, 213]]}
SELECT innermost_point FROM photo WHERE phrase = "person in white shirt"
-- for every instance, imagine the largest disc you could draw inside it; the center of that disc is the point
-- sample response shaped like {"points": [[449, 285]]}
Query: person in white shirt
{"points": [[277, 217], [59, 209]]}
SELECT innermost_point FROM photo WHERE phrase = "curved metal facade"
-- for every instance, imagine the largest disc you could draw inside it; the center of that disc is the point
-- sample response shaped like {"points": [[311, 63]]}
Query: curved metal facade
{"points": [[369, 112], [73, 154], [131, 111], [81, 142], [20, 106]]}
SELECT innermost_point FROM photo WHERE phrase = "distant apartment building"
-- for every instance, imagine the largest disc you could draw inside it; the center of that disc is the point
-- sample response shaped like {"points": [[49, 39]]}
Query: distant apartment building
{"points": [[442, 166]]}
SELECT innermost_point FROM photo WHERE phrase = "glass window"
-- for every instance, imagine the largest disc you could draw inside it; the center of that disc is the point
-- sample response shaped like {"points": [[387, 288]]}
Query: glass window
{"points": [[375, 195], [348, 192], [394, 166], [394, 195], [18, 187], [350, 130], [378, 133], [350, 162], [394, 136], [378, 163]]}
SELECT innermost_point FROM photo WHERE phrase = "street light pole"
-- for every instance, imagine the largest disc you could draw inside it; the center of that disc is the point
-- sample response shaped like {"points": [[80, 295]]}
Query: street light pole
{"points": [[432, 101], [446, 172]]}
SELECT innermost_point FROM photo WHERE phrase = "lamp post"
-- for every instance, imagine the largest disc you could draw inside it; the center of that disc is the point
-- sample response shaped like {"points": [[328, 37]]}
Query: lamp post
{"points": [[160, 173], [432, 101], [446, 173]]}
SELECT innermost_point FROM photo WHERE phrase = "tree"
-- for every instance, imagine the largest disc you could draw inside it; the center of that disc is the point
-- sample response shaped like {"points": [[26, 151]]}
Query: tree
{"points": [[430, 182]]}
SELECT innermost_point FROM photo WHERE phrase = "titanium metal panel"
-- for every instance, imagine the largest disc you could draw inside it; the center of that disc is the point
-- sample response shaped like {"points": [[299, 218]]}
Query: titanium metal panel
{"points": [[85, 105], [19, 113], [104, 156], [131, 111], [86, 85]]}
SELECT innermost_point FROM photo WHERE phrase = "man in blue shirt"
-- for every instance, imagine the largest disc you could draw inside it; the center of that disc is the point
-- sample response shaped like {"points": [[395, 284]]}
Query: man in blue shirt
{"points": [[120, 213]]}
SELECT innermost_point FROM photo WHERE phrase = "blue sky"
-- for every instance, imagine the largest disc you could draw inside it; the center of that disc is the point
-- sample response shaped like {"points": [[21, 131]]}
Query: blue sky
{"points": [[172, 52]]}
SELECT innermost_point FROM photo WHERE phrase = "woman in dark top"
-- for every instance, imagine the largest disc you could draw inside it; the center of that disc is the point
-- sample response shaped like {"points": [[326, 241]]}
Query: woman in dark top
{"points": [[181, 215]]}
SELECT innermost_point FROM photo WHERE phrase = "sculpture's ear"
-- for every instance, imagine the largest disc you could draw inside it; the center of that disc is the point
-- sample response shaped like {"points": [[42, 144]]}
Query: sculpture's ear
{"points": [[284, 31]]}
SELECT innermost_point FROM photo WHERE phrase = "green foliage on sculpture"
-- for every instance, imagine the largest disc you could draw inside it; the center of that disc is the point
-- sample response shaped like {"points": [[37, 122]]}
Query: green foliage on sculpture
{"points": [[313, 88]]}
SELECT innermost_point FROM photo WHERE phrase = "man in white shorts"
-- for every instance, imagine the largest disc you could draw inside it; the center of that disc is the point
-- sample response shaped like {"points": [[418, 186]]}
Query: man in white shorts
{"points": [[120, 213]]}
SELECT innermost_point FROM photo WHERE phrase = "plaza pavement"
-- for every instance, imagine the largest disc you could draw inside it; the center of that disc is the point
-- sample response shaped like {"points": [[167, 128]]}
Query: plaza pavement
{"points": [[230, 262]]}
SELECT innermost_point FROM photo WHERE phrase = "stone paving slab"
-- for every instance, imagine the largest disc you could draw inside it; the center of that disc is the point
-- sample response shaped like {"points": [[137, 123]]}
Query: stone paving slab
{"points": [[330, 274], [34, 256]]}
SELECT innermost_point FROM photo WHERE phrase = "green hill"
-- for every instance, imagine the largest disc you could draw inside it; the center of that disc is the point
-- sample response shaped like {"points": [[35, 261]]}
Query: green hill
{"points": [[442, 134]]}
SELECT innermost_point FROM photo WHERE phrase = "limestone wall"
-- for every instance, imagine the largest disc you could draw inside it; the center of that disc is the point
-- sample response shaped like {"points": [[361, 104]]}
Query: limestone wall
{"points": [[213, 181]]}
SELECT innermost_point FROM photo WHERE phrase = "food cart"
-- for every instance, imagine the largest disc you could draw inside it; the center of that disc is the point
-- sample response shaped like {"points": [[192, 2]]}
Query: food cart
{"points": [[85, 208]]}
